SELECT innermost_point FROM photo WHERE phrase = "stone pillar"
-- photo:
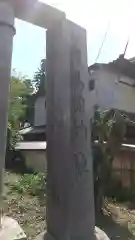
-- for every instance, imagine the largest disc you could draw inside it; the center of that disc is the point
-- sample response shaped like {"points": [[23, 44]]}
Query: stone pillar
{"points": [[70, 205], [6, 40]]}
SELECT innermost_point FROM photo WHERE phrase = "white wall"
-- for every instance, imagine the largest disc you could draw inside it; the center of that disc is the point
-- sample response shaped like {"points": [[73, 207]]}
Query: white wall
{"points": [[125, 95], [40, 112], [110, 93], [105, 89]]}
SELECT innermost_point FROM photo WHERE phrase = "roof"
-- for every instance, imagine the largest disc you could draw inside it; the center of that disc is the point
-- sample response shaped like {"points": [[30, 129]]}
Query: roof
{"points": [[121, 64], [129, 115], [32, 130], [33, 145], [132, 146], [123, 146], [132, 60]]}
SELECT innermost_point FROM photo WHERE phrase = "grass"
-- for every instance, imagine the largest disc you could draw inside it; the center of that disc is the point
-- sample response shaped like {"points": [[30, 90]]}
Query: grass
{"points": [[30, 183], [24, 200]]}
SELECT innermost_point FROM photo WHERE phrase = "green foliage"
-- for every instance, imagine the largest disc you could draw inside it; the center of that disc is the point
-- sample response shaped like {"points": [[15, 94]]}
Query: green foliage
{"points": [[108, 129], [39, 85], [14, 138], [29, 86], [20, 89], [119, 193], [29, 183], [39, 77], [108, 126]]}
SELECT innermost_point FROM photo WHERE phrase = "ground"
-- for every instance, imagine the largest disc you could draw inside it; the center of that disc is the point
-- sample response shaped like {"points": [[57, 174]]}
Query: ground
{"points": [[118, 221], [29, 210]]}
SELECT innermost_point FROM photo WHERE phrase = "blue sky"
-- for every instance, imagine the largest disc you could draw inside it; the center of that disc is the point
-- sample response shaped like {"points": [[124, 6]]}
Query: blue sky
{"points": [[94, 15]]}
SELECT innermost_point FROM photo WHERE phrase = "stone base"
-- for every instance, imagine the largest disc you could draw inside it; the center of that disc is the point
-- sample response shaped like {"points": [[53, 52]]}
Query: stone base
{"points": [[40, 236], [99, 235], [10, 230], [44, 236]]}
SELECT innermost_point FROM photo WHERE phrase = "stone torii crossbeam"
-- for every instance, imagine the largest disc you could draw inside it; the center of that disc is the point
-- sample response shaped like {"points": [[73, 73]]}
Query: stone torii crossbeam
{"points": [[70, 205]]}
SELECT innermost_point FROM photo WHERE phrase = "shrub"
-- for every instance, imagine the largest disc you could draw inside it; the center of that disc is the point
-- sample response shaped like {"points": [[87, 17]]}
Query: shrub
{"points": [[118, 192], [30, 183]]}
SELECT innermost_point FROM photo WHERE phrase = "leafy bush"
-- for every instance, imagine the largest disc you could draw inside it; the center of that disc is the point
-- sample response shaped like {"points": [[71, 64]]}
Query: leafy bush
{"points": [[124, 194], [116, 191], [13, 137], [108, 130], [30, 183]]}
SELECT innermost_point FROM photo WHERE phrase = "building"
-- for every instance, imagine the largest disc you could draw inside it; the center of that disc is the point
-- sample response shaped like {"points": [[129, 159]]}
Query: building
{"points": [[33, 145], [112, 85]]}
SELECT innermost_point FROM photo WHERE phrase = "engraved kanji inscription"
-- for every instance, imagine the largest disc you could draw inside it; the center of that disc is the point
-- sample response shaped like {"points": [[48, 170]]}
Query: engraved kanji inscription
{"points": [[80, 129], [80, 163], [75, 57], [79, 104], [77, 84]]}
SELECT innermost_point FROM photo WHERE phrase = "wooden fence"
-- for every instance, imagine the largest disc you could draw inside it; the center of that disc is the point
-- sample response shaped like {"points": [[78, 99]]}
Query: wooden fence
{"points": [[123, 168]]}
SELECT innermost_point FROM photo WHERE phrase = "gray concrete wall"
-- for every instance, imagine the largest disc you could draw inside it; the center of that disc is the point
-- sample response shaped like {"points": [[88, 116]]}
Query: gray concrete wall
{"points": [[36, 160]]}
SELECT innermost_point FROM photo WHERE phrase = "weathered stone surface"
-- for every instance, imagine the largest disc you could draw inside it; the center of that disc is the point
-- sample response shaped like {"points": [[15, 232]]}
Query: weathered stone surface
{"points": [[36, 12], [44, 236], [6, 41], [11, 230], [70, 206], [100, 235], [40, 236]]}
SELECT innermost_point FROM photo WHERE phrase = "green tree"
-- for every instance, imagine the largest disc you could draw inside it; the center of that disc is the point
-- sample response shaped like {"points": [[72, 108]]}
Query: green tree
{"points": [[20, 89], [39, 85], [40, 75], [108, 130]]}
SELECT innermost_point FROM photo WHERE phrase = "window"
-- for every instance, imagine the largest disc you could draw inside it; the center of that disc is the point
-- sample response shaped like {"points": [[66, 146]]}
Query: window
{"points": [[91, 72], [92, 84]]}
